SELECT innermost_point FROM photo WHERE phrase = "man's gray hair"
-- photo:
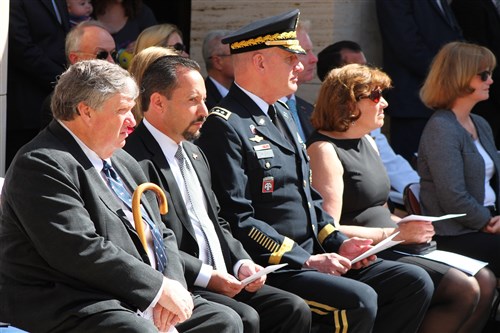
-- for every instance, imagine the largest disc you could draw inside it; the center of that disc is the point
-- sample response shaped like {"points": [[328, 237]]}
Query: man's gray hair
{"points": [[74, 37], [212, 45], [92, 82]]}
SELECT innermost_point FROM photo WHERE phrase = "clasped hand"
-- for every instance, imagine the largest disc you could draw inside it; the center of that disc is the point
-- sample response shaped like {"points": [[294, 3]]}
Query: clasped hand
{"points": [[174, 306]]}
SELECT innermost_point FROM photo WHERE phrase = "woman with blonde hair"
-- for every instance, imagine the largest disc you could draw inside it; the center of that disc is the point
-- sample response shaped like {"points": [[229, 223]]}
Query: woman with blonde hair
{"points": [[458, 161], [166, 35], [350, 176], [138, 66]]}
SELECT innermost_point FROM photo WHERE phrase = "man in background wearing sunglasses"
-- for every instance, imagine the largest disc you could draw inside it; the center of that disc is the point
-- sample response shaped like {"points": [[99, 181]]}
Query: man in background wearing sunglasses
{"points": [[87, 40]]}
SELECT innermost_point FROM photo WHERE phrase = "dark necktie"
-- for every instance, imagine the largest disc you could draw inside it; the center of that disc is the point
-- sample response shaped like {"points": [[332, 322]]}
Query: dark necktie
{"points": [[118, 187], [278, 122], [201, 218]]}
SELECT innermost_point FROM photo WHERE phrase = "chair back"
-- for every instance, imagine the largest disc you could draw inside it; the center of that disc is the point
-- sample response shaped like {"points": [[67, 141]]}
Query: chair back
{"points": [[411, 198]]}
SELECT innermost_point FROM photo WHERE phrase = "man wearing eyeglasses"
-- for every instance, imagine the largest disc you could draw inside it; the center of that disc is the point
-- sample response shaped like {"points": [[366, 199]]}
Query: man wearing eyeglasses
{"points": [[219, 67], [87, 40]]}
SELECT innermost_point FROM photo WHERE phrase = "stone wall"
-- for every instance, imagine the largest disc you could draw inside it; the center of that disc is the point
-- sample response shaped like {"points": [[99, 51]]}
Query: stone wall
{"points": [[331, 21]]}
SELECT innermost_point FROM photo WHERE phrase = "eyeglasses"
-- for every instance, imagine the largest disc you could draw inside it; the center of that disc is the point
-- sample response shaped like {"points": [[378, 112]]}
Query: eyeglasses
{"points": [[484, 75], [374, 96], [177, 47], [103, 55]]}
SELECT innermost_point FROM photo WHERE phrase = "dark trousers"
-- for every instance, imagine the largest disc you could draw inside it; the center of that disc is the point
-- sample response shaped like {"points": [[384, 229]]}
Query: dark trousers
{"points": [[384, 297], [267, 310], [207, 317]]}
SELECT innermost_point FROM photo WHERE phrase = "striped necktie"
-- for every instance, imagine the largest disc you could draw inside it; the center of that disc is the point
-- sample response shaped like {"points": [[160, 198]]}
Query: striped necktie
{"points": [[118, 187], [200, 217]]}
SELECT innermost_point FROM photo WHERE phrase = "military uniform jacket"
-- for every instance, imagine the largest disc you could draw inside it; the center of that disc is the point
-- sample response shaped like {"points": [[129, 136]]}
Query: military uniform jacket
{"points": [[143, 146], [66, 247], [262, 182]]}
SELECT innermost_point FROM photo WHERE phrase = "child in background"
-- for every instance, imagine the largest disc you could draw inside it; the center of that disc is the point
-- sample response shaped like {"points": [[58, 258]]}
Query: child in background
{"points": [[79, 11]]}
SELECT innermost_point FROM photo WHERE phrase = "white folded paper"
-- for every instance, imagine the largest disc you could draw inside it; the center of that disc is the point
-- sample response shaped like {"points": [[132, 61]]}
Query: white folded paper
{"points": [[385, 244], [266, 270], [429, 218], [463, 263]]}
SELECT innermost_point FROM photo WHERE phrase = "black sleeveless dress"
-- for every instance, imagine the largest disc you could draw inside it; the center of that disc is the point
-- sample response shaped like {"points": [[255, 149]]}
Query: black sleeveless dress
{"points": [[366, 190], [366, 184]]}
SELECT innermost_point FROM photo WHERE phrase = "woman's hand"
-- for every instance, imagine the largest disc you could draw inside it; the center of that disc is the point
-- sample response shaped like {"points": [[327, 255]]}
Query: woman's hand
{"points": [[493, 226], [415, 232]]}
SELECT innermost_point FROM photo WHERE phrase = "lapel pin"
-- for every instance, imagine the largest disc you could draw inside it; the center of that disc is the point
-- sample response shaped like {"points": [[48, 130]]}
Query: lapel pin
{"points": [[262, 121], [195, 156], [252, 129]]}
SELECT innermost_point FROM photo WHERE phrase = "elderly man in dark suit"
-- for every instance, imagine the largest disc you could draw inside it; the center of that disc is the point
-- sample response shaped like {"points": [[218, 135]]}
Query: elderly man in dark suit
{"points": [[174, 110], [71, 259], [412, 32], [261, 177]]}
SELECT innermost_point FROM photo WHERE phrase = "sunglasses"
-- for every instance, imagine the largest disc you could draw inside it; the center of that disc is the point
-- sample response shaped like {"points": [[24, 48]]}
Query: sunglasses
{"points": [[484, 75], [178, 47], [374, 96], [103, 55]]}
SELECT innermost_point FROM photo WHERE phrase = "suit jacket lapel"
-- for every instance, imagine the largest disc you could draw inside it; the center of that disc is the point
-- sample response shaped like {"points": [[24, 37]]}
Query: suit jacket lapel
{"points": [[213, 93], [263, 123], [160, 161], [62, 10], [105, 194]]}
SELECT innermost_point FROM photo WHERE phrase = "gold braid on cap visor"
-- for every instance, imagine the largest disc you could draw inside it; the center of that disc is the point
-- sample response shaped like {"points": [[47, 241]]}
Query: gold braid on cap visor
{"points": [[284, 38]]}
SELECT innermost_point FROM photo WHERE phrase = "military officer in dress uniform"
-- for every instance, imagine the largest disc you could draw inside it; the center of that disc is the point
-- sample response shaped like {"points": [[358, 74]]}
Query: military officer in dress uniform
{"points": [[261, 176]]}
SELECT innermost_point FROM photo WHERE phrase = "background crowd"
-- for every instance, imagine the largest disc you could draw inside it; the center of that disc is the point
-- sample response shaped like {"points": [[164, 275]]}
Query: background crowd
{"points": [[234, 152]]}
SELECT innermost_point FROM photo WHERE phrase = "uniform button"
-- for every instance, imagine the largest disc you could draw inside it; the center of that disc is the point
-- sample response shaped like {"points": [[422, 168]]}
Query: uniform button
{"points": [[309, 204], [267, 165], [308, 158]]}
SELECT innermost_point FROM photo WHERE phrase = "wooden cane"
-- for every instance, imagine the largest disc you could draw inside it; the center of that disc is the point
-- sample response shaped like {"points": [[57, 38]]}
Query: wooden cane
{"points": [[136, 208]]}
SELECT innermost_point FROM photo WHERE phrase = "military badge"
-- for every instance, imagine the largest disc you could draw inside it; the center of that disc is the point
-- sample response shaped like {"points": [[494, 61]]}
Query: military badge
{"points": [[268, 185]]}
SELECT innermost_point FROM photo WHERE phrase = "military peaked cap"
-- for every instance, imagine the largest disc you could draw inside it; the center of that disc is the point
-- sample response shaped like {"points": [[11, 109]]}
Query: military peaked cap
{"points": [[279, 30]]}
